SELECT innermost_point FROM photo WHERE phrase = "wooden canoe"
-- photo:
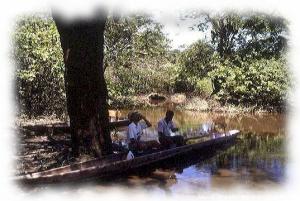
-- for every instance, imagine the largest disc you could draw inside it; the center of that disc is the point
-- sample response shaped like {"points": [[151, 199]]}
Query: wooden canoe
{"points": [[115, 164]]}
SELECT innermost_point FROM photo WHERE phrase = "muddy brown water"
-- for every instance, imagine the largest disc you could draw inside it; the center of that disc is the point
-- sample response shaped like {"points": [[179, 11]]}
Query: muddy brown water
{"points": [[256, 161]]}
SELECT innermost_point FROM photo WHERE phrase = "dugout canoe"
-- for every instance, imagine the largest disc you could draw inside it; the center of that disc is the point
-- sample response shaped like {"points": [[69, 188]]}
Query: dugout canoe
{"points": [[116, 164]]}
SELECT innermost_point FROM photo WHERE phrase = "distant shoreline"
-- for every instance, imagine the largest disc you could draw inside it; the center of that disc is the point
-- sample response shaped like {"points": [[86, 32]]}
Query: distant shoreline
{"points": [[180, 101]]}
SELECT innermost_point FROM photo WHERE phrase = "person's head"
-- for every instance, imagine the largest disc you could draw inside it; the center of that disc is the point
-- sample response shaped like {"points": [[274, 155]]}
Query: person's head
{"points": [[130, 116], [169, 115], [135, 117]]}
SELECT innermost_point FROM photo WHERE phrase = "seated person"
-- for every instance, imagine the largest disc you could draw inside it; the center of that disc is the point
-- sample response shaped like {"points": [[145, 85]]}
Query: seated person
{"points": [[165, 127], [135, 130]]}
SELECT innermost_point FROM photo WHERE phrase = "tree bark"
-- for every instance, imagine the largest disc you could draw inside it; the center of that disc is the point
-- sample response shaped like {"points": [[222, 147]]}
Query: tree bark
{"points": [[82, 43]]}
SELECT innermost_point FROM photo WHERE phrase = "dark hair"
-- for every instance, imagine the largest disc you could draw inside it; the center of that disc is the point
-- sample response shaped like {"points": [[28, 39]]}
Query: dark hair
{"points": [[169, 113], [132, 115]]}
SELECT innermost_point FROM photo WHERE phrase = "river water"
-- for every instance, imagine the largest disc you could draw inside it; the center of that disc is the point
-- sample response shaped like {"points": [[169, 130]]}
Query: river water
{"points": [[256, 161]]}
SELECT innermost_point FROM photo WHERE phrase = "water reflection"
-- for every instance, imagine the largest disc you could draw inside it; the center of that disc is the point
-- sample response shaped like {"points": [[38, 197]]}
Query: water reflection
{"points": [[243, 164], [256, 160], [193, 178], [256, 123]]}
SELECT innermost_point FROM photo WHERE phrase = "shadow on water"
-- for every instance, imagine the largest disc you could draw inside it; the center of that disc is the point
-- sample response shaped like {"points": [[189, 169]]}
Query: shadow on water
{"points": [[160, 174], [257, 159], [253, 159]]}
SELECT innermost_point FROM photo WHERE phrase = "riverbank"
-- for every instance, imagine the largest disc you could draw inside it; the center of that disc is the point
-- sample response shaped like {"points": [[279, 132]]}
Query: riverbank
{"points": [[177, 102], [180, 101]]}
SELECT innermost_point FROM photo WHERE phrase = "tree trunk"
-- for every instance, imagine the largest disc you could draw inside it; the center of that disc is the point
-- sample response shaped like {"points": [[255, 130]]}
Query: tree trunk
{"points": [[86, 91]]}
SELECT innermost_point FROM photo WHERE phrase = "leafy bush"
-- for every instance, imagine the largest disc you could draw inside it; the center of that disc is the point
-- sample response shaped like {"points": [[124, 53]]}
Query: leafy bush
{"points": [[204, 87], [195, 62], [141, 79], [260, 82], [39, 72]]}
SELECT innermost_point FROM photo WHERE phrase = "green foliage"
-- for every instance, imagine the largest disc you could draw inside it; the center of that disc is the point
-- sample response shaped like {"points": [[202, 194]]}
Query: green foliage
{"points": [[242, 63], [136, 57], [196, 59], [259, 82], [225, 29], [252, 35], [134, 39], [140, 80], [255, 146], [196, 62], [38, 57], [204, 87], [266, 37]]}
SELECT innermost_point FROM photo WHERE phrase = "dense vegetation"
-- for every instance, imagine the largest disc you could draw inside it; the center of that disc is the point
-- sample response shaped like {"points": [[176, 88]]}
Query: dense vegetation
{"points": [[40, 69], [242, 61]]}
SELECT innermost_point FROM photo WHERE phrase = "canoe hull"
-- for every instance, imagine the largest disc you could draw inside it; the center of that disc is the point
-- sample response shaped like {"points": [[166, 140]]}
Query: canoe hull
{"points": [[115, 165]]}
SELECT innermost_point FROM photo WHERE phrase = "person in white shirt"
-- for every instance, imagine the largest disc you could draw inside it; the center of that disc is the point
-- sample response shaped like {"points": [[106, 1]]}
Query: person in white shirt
{"points": [[166, 128], [135, 130]]}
